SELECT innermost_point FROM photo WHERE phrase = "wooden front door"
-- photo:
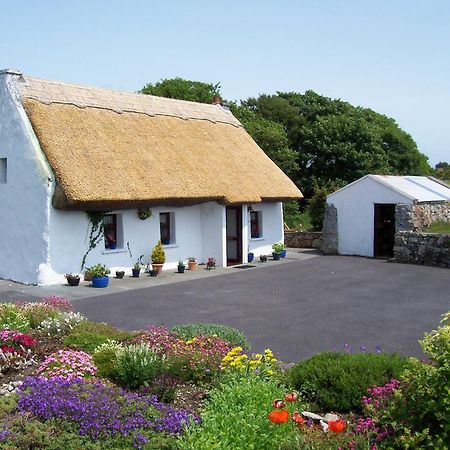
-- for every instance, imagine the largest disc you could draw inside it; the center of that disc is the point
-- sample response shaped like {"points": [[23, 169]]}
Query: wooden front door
{"points": [[384, 230], [234, 235]]}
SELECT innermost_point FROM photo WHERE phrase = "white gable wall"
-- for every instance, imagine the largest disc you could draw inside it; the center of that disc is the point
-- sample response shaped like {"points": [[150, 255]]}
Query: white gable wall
{"points": [[25, 197], [355, 207]]}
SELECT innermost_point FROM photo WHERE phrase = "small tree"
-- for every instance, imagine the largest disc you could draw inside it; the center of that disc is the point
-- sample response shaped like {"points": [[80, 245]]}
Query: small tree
{"points": [[158, 255]]}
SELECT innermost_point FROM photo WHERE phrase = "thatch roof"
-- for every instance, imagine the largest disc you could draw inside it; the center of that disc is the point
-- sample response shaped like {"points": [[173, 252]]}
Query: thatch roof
{"points": [[120, 150]]}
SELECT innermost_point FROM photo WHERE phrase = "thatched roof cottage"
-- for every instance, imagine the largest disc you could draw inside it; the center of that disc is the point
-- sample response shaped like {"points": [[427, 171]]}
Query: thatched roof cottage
{"points": [[66, 150]]}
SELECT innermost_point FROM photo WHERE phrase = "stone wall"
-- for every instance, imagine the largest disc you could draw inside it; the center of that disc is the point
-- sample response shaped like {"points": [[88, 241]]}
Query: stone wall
{"points": [[415, 217], [422, 248], [303, 239], [330, 238]]}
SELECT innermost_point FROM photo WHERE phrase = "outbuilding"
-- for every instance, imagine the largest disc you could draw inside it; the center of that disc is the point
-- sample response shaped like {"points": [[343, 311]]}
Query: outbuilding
{"points": [[90, 175], [364, 217]]}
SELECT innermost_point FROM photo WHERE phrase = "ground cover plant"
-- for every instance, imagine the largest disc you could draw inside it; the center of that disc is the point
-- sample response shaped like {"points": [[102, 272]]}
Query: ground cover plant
{"points": [[71, 383]]}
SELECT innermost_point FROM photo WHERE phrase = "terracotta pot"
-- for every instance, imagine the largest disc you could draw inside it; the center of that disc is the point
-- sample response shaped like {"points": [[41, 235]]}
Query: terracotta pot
{"points": [[192, 265], [87, 276], [157, 267]]}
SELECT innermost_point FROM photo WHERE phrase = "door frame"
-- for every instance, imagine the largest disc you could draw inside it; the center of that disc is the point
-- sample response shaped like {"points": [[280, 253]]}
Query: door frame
{"points": [[238, 239]]}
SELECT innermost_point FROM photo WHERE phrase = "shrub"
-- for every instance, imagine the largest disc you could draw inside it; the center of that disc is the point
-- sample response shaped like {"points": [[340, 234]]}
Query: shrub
{"points": [[137, 365], [338, 381], [36, 313], [224, 332], [242, 402], [103, 329], [105, 360], [67, 364], [61, 324], [420, 408], [11, 318], [158, 255], [85, 340], [98, 410]]}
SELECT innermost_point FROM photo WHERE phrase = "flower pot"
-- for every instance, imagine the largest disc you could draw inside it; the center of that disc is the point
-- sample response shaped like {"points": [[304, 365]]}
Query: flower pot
{"points": [[112, 246], [120, 274], [136, 272], [283, 253], [157, 267], [181, 269], [87, 276], [73, 280], [250, 257], [100, 282], [276, 256], [153, 273], [192, 265]]}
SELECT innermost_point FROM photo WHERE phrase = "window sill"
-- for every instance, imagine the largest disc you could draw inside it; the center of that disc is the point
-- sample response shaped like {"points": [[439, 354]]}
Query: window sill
{"points": [[116, 250], [170, 246], [256, 239]]}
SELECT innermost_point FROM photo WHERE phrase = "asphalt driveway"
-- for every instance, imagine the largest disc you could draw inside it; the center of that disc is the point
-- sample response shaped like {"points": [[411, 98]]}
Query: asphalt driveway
{"points": [[298, 308]]}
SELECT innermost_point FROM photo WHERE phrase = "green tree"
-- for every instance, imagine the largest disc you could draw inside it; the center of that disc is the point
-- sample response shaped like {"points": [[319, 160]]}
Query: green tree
{"points": [[442, 171], [182, 89]]}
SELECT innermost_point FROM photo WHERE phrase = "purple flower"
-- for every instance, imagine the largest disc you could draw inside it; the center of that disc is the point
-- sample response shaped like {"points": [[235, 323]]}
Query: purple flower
{"points": [[378, 349]]}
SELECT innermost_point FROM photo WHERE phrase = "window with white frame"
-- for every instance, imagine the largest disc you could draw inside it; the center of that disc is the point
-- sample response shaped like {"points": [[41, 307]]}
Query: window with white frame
{"points": [[256, 230], [167, 228], [112, 229], [3, 170]]}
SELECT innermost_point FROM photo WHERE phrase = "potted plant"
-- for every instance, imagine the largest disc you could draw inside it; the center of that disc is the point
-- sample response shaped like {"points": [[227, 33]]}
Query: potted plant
{"points": [[72, 280], [263, 258], [87, 275], [120, 274], [100, 277], [211, 263], [278, 247], [153, 272], [136, 269], [158, 257], [112, 244], [192, 263], [181, 266]]}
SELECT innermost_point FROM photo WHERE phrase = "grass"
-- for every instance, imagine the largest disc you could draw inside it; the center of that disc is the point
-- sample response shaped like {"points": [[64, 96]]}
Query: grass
{"points": [[439, 226]]}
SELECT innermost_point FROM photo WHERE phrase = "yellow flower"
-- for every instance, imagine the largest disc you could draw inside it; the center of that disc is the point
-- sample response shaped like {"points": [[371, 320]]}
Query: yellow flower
{"points": [[270, 372], [258, 356]]}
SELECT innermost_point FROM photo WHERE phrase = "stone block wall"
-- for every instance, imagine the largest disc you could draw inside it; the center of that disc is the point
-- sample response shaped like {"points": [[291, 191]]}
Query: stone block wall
{"points": [[422, 248], [303, 239], [416, 217]]}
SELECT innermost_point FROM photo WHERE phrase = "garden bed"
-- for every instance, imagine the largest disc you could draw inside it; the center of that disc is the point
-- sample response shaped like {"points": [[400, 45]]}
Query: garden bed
{"points": [[71, 383]]}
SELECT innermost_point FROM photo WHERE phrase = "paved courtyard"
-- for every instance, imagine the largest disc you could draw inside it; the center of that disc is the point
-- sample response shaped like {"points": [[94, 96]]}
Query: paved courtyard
{"points": [[297, 308]]}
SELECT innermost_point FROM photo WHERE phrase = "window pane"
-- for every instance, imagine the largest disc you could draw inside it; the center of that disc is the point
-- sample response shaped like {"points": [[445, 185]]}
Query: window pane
{"points": [[110, 231], [255, 224], [164, 226]]}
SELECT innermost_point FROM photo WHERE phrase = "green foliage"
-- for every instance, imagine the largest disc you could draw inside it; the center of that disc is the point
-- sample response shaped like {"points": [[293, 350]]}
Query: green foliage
{"points": [[95, 232], [439, 226], [105, 360], [338, 381], [8, 404], [158, 255], [420, 410], [179, 88], [277, 247], [85, 340], [316, 208], [442, 171], [235, 417], [99, 270], [104, 329], [228, 334], [137, 365], [11, 318]]}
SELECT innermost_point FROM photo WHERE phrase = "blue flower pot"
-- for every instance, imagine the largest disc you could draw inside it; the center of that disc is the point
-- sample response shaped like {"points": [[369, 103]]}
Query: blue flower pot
{"points": [[283, 253], [250, 257], [100, 282], [276, 256]]}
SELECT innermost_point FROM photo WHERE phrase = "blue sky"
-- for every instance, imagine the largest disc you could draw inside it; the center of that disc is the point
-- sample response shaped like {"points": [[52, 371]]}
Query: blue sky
{"points": [[390, 55]]}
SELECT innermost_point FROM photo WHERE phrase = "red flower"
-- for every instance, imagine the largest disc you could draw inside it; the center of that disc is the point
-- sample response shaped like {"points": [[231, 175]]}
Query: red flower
{"points": [[277, 403], [278, 416], [337, 426], [291, 397], [298, 418]]}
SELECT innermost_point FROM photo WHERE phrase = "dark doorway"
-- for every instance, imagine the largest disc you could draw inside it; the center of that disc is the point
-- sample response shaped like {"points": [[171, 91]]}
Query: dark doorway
{"points": [[384, 230], [234, 235]]}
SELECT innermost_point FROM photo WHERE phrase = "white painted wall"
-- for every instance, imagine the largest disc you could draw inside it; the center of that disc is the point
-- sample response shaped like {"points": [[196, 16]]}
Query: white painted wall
{"points": [[24, 199], [272, 225], [213, 233], [355, 207]]}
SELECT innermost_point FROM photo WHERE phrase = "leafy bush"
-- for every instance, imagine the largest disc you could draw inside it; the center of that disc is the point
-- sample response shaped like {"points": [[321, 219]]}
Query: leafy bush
{"points": [[137, 365], [438, 226], [158, 255], [338, 381], [224, 332], [99, 270], [85, 340], [104, 329], [235, 417], [11, 318], [420, 408], [67, 364]]}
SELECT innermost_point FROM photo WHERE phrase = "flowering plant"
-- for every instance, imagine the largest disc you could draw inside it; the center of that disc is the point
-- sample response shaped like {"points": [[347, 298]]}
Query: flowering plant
{"points": [[61, 324], [67, 364], [14, 341], [261, 364]]}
